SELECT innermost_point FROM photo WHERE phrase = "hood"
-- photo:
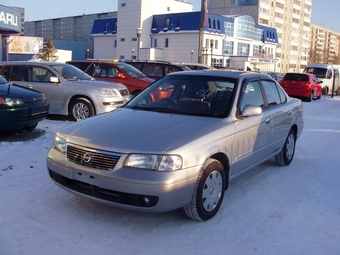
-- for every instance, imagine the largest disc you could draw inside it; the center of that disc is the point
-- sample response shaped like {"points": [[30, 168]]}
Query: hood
{"points": [[102, 84], [15, 91], [125, 130], [147, 79]]}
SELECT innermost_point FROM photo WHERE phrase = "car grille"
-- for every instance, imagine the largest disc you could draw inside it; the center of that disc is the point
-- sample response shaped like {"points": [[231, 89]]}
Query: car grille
{"points": [[124, 92], [98, 159]]}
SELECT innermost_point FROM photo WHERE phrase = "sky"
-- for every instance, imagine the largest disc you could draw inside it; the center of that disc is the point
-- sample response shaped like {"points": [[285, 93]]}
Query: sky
{"points": [[324, 13], [269, 210]]}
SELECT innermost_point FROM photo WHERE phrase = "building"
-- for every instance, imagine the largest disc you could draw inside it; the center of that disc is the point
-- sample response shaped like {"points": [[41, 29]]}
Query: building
{"points": [[325, 46], [291, 18], [10, 24], [174, 34], [72, 29]]}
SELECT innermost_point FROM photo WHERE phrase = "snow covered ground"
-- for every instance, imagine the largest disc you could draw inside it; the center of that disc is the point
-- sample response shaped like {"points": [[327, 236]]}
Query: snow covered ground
{"points": [[269, 210]]}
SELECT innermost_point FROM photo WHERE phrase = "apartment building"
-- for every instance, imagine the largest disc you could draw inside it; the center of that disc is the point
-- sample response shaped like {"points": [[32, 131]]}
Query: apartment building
{"points": [[73, 29], [291, 18], [325, 46]]}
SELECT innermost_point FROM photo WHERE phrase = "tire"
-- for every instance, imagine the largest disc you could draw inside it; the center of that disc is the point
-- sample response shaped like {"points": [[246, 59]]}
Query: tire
{"points": [[285, 157], [310, 98], [80, 109], [208, 192]]}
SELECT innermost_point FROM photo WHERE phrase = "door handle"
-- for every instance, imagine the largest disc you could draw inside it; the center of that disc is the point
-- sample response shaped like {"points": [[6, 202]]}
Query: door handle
{"points": [[290, 112], [268, 120]]}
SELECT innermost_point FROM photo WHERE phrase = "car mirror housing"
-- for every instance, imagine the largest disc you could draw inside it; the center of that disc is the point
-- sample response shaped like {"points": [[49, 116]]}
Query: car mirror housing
{"points": [[121, 76], [54, 79], [251, 110]]}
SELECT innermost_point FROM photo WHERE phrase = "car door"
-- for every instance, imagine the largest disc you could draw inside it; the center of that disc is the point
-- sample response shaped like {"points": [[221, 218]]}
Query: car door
{"points": [[252, 133], [279, 113], [38, 78]]}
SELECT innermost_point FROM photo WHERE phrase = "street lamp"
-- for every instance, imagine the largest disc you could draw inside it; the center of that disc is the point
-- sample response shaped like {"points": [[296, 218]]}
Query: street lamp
{"points": [[192, 53], [211, 48], [133, 51], [139, 33]]}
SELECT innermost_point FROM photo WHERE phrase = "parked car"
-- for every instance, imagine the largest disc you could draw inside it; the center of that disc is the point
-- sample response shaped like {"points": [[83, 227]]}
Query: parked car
{"points": [[68, 90], [180, 151], [118, 72], [20, 108], [198, 66], [302, 85], [275, 75], [157, 69]]}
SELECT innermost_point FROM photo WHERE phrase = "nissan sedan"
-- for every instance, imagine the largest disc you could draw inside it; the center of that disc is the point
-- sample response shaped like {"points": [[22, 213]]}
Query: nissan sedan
{"points": [[181, 149]]}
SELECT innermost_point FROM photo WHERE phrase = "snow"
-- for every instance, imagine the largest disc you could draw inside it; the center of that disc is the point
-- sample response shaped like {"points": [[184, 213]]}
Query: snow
{"points": [[268, 210]]}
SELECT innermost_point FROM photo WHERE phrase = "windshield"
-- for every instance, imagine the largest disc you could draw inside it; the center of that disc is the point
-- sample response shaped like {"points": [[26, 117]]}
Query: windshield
{"points": [[190, 95], [132, 71], [318, 72], [70, 72]]}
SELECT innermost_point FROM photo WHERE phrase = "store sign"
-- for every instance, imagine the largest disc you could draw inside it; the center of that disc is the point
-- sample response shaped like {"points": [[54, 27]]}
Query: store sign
{"points": [[10, 19], [24, 44]]}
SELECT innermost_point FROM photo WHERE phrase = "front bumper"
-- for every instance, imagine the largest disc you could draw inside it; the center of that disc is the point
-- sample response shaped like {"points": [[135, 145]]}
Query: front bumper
{"points": [[127, 188]]}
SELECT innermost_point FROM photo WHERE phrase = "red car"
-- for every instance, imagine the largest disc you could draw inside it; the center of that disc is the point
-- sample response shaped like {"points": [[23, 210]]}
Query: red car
{"points": [[118, 72], [302, 85]]}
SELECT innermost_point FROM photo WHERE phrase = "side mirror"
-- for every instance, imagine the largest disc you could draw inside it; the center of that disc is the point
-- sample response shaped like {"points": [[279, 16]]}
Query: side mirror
{"points": [[54, 79], [121, 76], [251, 110]]}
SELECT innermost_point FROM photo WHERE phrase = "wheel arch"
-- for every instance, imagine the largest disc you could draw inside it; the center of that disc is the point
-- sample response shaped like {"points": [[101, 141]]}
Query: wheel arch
{"points": [[75, 97], [223, 158]]}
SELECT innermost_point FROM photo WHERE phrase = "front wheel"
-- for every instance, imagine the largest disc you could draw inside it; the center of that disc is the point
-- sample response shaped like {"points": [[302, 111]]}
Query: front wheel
{"points": [[208, 193], [285, 157], [80, 109]]}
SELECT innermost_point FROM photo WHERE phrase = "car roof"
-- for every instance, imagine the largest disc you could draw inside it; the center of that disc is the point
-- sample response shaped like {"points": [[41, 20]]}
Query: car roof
{"points": [[43, 63], [222, 73]]}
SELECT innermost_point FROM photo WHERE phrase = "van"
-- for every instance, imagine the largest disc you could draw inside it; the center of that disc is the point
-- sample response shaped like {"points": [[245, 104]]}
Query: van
{"points": [[68, 90], [329, 76]]}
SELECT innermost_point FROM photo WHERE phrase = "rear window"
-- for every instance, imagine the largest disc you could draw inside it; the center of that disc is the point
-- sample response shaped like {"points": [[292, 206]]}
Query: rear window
{"points": [[296, 77]]}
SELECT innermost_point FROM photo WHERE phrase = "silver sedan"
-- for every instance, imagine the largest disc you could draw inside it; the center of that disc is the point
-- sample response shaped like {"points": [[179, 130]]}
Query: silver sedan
{"points": [[179, 142]]}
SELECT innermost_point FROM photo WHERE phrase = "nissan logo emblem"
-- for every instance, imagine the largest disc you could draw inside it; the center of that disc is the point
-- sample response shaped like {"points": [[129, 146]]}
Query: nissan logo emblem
{"points": [[87, 157]]}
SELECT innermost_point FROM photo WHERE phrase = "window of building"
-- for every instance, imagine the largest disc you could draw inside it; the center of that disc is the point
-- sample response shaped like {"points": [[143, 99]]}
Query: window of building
{"points": [[178, 22], [122, 39], [115, 44], [166, 43], [155, 43], [123, 5], [166, 23]]}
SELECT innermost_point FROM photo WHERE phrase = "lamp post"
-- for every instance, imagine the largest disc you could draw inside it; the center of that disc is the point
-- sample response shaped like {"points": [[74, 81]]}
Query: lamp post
{"points": [[192, 53], [133, 51], [211, 49], [139, 33]]}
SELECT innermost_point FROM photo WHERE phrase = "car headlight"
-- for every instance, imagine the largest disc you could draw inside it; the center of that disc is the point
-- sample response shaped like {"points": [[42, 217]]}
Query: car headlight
{"points": [[107, 92], [154, 162], [59, 144], [11, 101]]}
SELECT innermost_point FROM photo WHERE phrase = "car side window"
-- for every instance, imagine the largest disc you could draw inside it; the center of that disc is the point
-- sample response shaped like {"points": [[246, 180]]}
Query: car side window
{"points": [[5, 72], [18, 73], [170, 69], [251, 95], [272, 92], [39, 74]]}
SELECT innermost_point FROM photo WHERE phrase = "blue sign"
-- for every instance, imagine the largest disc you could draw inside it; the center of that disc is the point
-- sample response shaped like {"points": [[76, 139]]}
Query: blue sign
{"points": [[10, 20]]}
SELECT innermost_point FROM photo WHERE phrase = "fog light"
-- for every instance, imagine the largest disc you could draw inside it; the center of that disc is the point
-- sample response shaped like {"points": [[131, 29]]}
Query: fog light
{"points": [[146, 200]]}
